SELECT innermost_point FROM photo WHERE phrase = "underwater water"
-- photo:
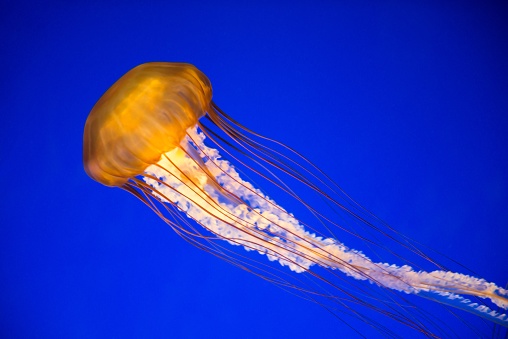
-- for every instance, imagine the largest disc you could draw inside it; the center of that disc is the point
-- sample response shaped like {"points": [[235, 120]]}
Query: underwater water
{"points": [[404, 106]]}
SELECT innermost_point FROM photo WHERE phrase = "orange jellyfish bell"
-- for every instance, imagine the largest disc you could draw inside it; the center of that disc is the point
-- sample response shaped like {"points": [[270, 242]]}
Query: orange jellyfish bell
{"points": [[142, 116]]}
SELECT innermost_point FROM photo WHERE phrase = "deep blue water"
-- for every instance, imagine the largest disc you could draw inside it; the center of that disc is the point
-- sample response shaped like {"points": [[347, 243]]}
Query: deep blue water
{"points": [[405, 106]]}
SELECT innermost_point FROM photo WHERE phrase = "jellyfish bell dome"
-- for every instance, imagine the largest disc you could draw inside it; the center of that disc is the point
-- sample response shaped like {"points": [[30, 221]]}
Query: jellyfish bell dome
{"points": [[142, 116]]}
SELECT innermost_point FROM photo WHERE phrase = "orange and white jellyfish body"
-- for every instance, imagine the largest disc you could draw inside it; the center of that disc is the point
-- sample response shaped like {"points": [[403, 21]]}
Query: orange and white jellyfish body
{"points": [[145, 136]]}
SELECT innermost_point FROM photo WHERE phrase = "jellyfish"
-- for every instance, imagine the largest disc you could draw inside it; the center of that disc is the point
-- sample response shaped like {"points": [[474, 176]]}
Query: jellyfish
{"points": [[157, 134]]}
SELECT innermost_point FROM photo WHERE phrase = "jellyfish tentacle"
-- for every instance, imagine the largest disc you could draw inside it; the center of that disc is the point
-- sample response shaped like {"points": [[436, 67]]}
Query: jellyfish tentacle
{"points": [[285, 243]]}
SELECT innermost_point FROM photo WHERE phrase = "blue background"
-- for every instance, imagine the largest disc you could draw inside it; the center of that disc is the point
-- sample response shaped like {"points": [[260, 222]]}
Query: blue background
{"points": [[404, 105]]}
